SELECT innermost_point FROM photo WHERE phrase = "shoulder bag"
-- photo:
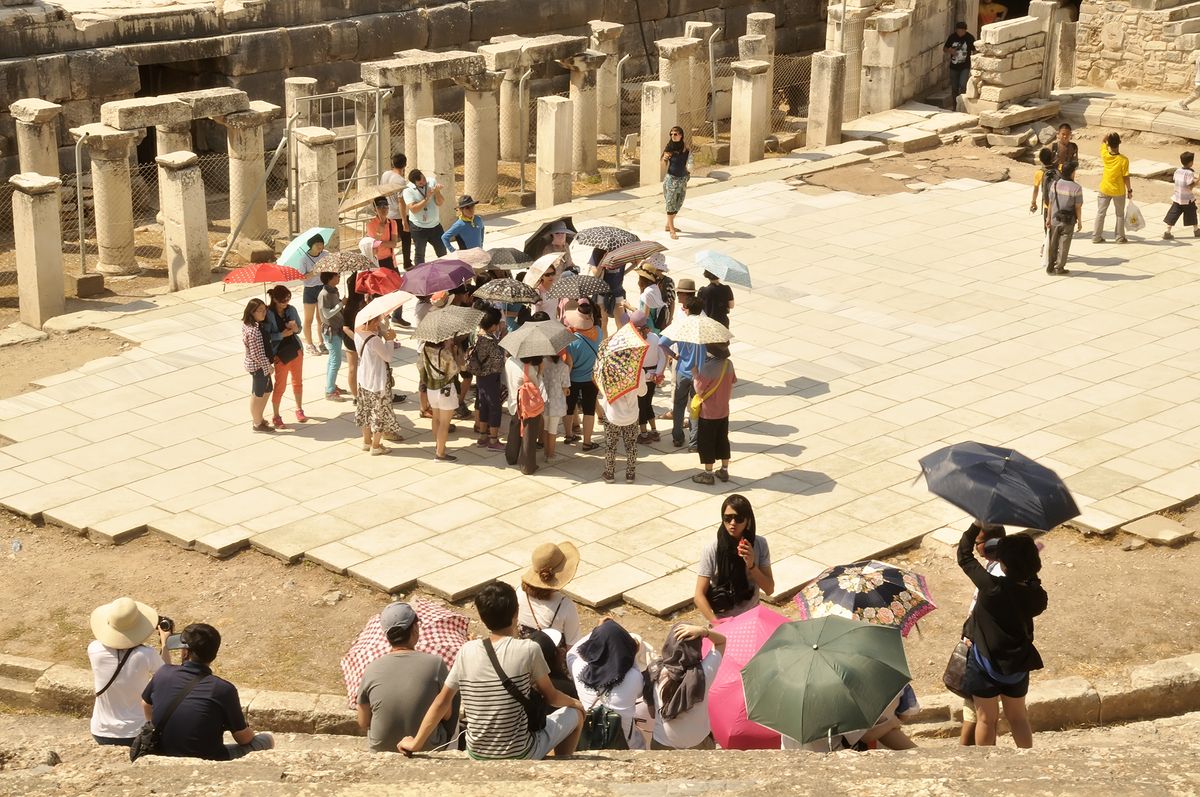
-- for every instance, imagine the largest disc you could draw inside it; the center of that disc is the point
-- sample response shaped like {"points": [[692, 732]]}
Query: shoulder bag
{"points": [[956, 669], [699, 399], [150, 736], [116, 672], [534, 714], [603, 729]]}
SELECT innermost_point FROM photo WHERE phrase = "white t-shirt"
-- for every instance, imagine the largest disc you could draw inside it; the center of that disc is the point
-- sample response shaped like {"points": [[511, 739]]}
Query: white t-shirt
{"points": [[391, 178], [624, 411], [558, 612], [622, 698], [310, 267], [556, 377], [652, 298], [514, 377], [373, 361], [117, 713], [655, 362], [692, 726], [1185, 180]]}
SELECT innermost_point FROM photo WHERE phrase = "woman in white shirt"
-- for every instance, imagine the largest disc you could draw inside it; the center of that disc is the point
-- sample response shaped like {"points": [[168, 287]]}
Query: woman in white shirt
{"points": [[682, 678], [373, 413], [604, 666], [543, 605], [121, 668]]}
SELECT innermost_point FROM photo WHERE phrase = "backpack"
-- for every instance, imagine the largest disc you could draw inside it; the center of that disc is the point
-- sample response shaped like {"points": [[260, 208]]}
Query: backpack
{"points": [[1065, 216], [666, 313], [530, 402]]}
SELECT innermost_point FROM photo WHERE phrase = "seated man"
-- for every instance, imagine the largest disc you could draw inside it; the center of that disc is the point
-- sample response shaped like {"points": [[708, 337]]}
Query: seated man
{"points": [[398, 688], [196, 728], [491, 673]]}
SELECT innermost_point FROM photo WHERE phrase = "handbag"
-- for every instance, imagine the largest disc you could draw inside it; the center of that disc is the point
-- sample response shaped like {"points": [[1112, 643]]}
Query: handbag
{"points": [[603, 729], [512, 446], [700, 398], [721, 597], [150, 736], [534, 715], [956, 669]]}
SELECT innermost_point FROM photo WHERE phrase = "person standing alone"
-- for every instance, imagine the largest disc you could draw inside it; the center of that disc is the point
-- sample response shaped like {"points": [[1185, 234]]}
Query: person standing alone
{"points": [[1114, 187], [959, 45]]}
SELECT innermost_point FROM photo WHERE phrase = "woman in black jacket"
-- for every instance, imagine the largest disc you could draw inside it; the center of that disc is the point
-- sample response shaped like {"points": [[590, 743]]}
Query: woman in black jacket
{"points": [[1001, 631]]}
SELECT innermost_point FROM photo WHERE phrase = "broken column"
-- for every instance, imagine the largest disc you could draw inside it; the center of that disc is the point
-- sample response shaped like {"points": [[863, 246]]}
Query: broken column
{"points": [[846, 36], [763, 24], [294, 90], [658, 117], [505, 58], [418, 105], [747, 130], [582, 67], [826, 87], [109, 150], [372, 136], [606, 38], [247, 195], [435, 142], [675, 67], [554, 161], [1046, 11], [185, 220], [173, 137], [754, 48], [481, 116], [38, 236], [316, 164], [37, 135], [701, 73]]}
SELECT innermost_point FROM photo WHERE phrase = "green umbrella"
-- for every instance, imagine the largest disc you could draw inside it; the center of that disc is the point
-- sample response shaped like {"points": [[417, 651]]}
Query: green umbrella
{"points": [[822, 676]]}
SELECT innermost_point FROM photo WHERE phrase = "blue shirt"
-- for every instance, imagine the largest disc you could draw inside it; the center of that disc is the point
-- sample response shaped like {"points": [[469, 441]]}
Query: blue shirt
{"points": [[583, 353], [691, 356], [273, 329], [197, 727], [471, 233]]}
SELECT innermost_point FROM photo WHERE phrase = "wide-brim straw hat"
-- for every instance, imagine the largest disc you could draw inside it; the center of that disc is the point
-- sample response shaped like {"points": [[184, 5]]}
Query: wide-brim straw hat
{"points": [[552, 566], [124, 623], [649, 272]]}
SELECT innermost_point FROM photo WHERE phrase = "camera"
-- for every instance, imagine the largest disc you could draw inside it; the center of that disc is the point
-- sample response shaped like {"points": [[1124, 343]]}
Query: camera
{"points": [[166, 624]]}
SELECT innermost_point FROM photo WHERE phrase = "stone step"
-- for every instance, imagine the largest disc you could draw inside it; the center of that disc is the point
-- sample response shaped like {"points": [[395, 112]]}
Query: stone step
{"points": [[1159, 530], [21, 668], [1190, 25], [16, 693], [1188, 10], [1157, 5]]}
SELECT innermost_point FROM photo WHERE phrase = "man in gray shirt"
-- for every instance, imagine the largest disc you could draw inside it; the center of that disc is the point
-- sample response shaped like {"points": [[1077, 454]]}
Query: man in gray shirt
{"points": [[398, 688]]}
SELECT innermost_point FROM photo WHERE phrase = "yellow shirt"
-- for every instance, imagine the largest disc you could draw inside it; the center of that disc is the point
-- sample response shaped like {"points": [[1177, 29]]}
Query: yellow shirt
{"points": [[1116, 169]]}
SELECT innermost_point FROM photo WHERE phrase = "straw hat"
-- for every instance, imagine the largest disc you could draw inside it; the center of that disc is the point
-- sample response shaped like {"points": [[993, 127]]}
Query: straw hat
{"points": [[649, 272], [645, 654], [553, 566], [124, 623], [685, 285]]}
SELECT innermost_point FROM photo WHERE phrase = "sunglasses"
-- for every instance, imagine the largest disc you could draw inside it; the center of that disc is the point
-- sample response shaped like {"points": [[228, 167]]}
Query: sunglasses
{"points": [[733, 518]]}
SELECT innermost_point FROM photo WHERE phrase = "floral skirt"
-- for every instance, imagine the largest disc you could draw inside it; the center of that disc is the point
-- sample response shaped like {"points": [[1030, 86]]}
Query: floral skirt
{"points": [[674, 190], [374, 411]]}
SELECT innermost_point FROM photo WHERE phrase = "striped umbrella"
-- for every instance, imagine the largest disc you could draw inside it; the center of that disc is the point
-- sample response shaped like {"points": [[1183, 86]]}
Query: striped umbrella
{"points": [[631, 253]]}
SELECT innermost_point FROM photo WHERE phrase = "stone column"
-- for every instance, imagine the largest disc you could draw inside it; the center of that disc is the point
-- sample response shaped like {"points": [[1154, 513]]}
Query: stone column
{"points": [[514, 134], [582, 67], [701, 76], [365, 107], [1045, 11], [553, 151], [185, 220], [293, 89], [675, 67], [112, 195], [763, 24], [247, 169], [754, 48], [851, 43], [481, 145], [37, 135], [316, 163], [418, 104], [435, 142], [605, 38], [747, 130], [827, 85], [38, 234], [175, 137], [658, 117]]}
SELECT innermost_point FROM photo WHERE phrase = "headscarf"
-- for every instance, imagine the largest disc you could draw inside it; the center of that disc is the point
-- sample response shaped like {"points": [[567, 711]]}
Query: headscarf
{"points": [[609, 652], [679, 676], [731, 568]]}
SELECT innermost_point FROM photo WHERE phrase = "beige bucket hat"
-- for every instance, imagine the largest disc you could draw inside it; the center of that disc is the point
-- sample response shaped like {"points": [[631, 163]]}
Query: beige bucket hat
{"points": [[124, 623]]}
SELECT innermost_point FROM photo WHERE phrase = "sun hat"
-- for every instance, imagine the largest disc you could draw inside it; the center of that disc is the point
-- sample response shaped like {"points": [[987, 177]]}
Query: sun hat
{"points": [[576, 318], [466, 201], [397, 615], [685, 285], [645, 653], [650, 273], [560, 226], [124, 623], [554, 636], [552, 566], [638, 318]]}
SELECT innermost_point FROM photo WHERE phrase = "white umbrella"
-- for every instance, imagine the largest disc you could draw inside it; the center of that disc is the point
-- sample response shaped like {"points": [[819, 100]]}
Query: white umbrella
{"points": [[382, 305], [697, 329]]}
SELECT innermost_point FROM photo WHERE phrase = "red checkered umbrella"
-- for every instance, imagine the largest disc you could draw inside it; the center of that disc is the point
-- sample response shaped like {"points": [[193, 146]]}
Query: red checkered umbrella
{"points": [[443, 632]]}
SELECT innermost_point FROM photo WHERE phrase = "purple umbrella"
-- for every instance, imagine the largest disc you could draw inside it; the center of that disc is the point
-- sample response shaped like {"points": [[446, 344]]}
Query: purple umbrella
{"points": [[437, 275]]}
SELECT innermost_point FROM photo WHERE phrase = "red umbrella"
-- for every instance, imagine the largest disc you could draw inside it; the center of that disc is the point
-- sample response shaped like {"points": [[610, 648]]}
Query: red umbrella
{"points": [[379, 281], [263, 272], [744, 635]]}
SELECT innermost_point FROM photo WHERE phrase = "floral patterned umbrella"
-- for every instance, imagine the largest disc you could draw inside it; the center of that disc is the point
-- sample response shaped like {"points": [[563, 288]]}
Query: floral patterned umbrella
{"points": [[872, 592], [507, 290], [619, 366], [348, 261]]}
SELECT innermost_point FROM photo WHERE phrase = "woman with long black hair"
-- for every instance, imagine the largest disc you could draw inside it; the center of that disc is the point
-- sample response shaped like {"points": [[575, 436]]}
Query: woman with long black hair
{"points": [[678, 158], [735, 566]]}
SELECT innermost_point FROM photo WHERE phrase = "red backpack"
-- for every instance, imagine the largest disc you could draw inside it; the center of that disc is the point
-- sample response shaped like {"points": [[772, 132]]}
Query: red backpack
{"points": [[530, 403]]}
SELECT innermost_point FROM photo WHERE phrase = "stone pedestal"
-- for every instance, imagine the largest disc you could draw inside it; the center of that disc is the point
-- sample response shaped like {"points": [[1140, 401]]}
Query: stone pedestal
{"points": [[418, 104], [109, 150], [295, 88], [175, 137], [554, 161], [185, 220], [846, 36], [373, 138], [606, 38], [38, 235], [826, 87], [481, 118], [701, 74], [247, 195], [754, 48], [747, 130], [514, 118], [435, 142], [316, 164], [763, 24], [675, 67], [658, 117], [583, 68], [37, 135]]}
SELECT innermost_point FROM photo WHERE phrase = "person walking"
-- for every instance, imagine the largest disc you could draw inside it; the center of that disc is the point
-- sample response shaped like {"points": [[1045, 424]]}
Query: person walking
{"points": [[1183, 200], [1195, 95], [713, 383], [122, 665], [1114, 187], [330, 310], [583, 351], [257, 361], [736, 566], [310, 267], [678, 158], [373, 411], [423, 198], [688, 357], [438, 365], [959, 45], [468, 230], [1065, 212], [283, 328]]}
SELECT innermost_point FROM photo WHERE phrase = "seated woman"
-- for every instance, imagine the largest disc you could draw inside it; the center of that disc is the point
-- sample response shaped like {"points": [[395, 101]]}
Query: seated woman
{"points": [[543, 605], [682, 678], [735, 566], [554, 651], [604, 666], [885, 732]]}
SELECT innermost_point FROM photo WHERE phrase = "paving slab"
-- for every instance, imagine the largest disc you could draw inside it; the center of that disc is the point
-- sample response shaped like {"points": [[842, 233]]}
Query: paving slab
{"points": [[1159, 530], [291, 541], [664, 595]]}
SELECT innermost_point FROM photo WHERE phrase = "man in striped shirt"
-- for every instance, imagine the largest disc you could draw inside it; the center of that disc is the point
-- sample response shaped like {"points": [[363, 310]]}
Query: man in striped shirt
{"points": [[497, 725]]}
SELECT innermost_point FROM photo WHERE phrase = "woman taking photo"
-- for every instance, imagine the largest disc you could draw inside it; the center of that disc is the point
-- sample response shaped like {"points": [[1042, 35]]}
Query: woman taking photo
{"points": [[258, 361], [735, 566], [1001, 632], [678, 158], [283, 327]]}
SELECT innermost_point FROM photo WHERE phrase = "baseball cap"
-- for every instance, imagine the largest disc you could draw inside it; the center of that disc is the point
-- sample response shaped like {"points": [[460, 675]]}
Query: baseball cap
{"points": [[397, 615]]}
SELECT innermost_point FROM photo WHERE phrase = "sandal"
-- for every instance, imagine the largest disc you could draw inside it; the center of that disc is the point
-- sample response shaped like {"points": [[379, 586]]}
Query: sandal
{"points": [[723, 474], [644, 437], [704, 478], [301, 417], [378, 450], [571, 439], [446, 458], [590, 446], [262, 427]]}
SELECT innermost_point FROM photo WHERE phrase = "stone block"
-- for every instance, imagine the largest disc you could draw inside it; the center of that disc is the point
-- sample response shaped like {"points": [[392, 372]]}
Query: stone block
{"points": [[214, 102], [1149, 169], [140, 112], [1164, 688], [500, 17], [986, 64], [907, 139], [414, 66], [1002, 140], [22, 668], [34, 111], [664, 595], [635, 11], [96, 74], [1015, 115], [950, 122], [286, 712], [937, 707], [290, 542], [381, 35], [1126, 118], [449, 25], [333, 714], [1028, 57], [1177, 123], [1010, 30], [1015, 77], [184, 528], [1001, 50], [54, 77], [65, 690], [464, 578], [1005, 93], [604, 585], [18, 80], [257, 51], [1159, 530], [225, 542], [1063, 703]]}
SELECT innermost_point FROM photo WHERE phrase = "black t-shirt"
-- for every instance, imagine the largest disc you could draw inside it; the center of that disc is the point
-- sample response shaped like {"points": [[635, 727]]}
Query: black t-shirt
{"points": [[197, 727], [962, 46], [716, 297]]}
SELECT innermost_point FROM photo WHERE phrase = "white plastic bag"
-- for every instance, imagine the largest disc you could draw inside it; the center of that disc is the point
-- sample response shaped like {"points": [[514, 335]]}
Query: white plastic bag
{"points": [[1134, 220]]}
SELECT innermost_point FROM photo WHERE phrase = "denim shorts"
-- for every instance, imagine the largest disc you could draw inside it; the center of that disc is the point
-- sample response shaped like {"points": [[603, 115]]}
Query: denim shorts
{"points": [[312, 293], [260, 383]]}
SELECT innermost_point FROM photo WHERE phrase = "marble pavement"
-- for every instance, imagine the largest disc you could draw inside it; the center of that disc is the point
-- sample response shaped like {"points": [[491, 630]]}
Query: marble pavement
{"points": [[879, 329]]}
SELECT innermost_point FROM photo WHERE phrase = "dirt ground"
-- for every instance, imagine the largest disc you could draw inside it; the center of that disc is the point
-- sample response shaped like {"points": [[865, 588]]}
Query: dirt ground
{"points": [[58, 353]]}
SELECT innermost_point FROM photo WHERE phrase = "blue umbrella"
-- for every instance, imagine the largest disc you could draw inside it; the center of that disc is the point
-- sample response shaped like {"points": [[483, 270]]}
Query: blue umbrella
{"points": [[724, 266], [293, 253]]}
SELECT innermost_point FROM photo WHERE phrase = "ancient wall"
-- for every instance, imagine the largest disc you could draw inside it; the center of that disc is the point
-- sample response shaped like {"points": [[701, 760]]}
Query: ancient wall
{"points": [[1009, 64], [1137, 44], [902, 52]]}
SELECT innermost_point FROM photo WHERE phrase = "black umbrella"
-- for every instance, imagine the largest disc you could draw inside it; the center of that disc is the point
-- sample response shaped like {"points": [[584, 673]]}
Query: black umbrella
{"points": [[507, 258], [998, 485], [507, 290], [605, 238], [535, 245], [573, 286]]}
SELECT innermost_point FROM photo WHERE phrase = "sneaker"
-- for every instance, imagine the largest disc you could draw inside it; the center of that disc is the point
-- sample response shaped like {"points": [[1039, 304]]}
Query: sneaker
{"points": [[723, 474], [1062, 271], [462, 414], [608, 477], [677, 442], [262, 427], [1122, 240], [400, 322], [311, 349], [496, 445], [446, 458], [704, 478], [322, 350], [693, 449], [375, 452], [645, 437], [335, 396], [301, 417], [1098, 240], [1050, 269], [629, 477], [399, 398], [1196, 232], [482, 442], [1167, 236], [277, 422]]}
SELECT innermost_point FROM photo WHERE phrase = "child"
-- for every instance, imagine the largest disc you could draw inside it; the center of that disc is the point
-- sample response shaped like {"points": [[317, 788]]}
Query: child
{"points": [[468, 230], [652, 366], [1183, 201], [485, 360], [620, 421]]}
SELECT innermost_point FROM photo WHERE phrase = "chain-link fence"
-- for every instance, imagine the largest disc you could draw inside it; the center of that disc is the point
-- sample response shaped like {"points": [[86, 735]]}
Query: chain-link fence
{"points": [[8, 255]]}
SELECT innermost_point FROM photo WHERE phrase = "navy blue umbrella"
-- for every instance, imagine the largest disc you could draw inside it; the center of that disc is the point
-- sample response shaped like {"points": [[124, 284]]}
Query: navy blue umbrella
{"points": [[998, 485]]}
